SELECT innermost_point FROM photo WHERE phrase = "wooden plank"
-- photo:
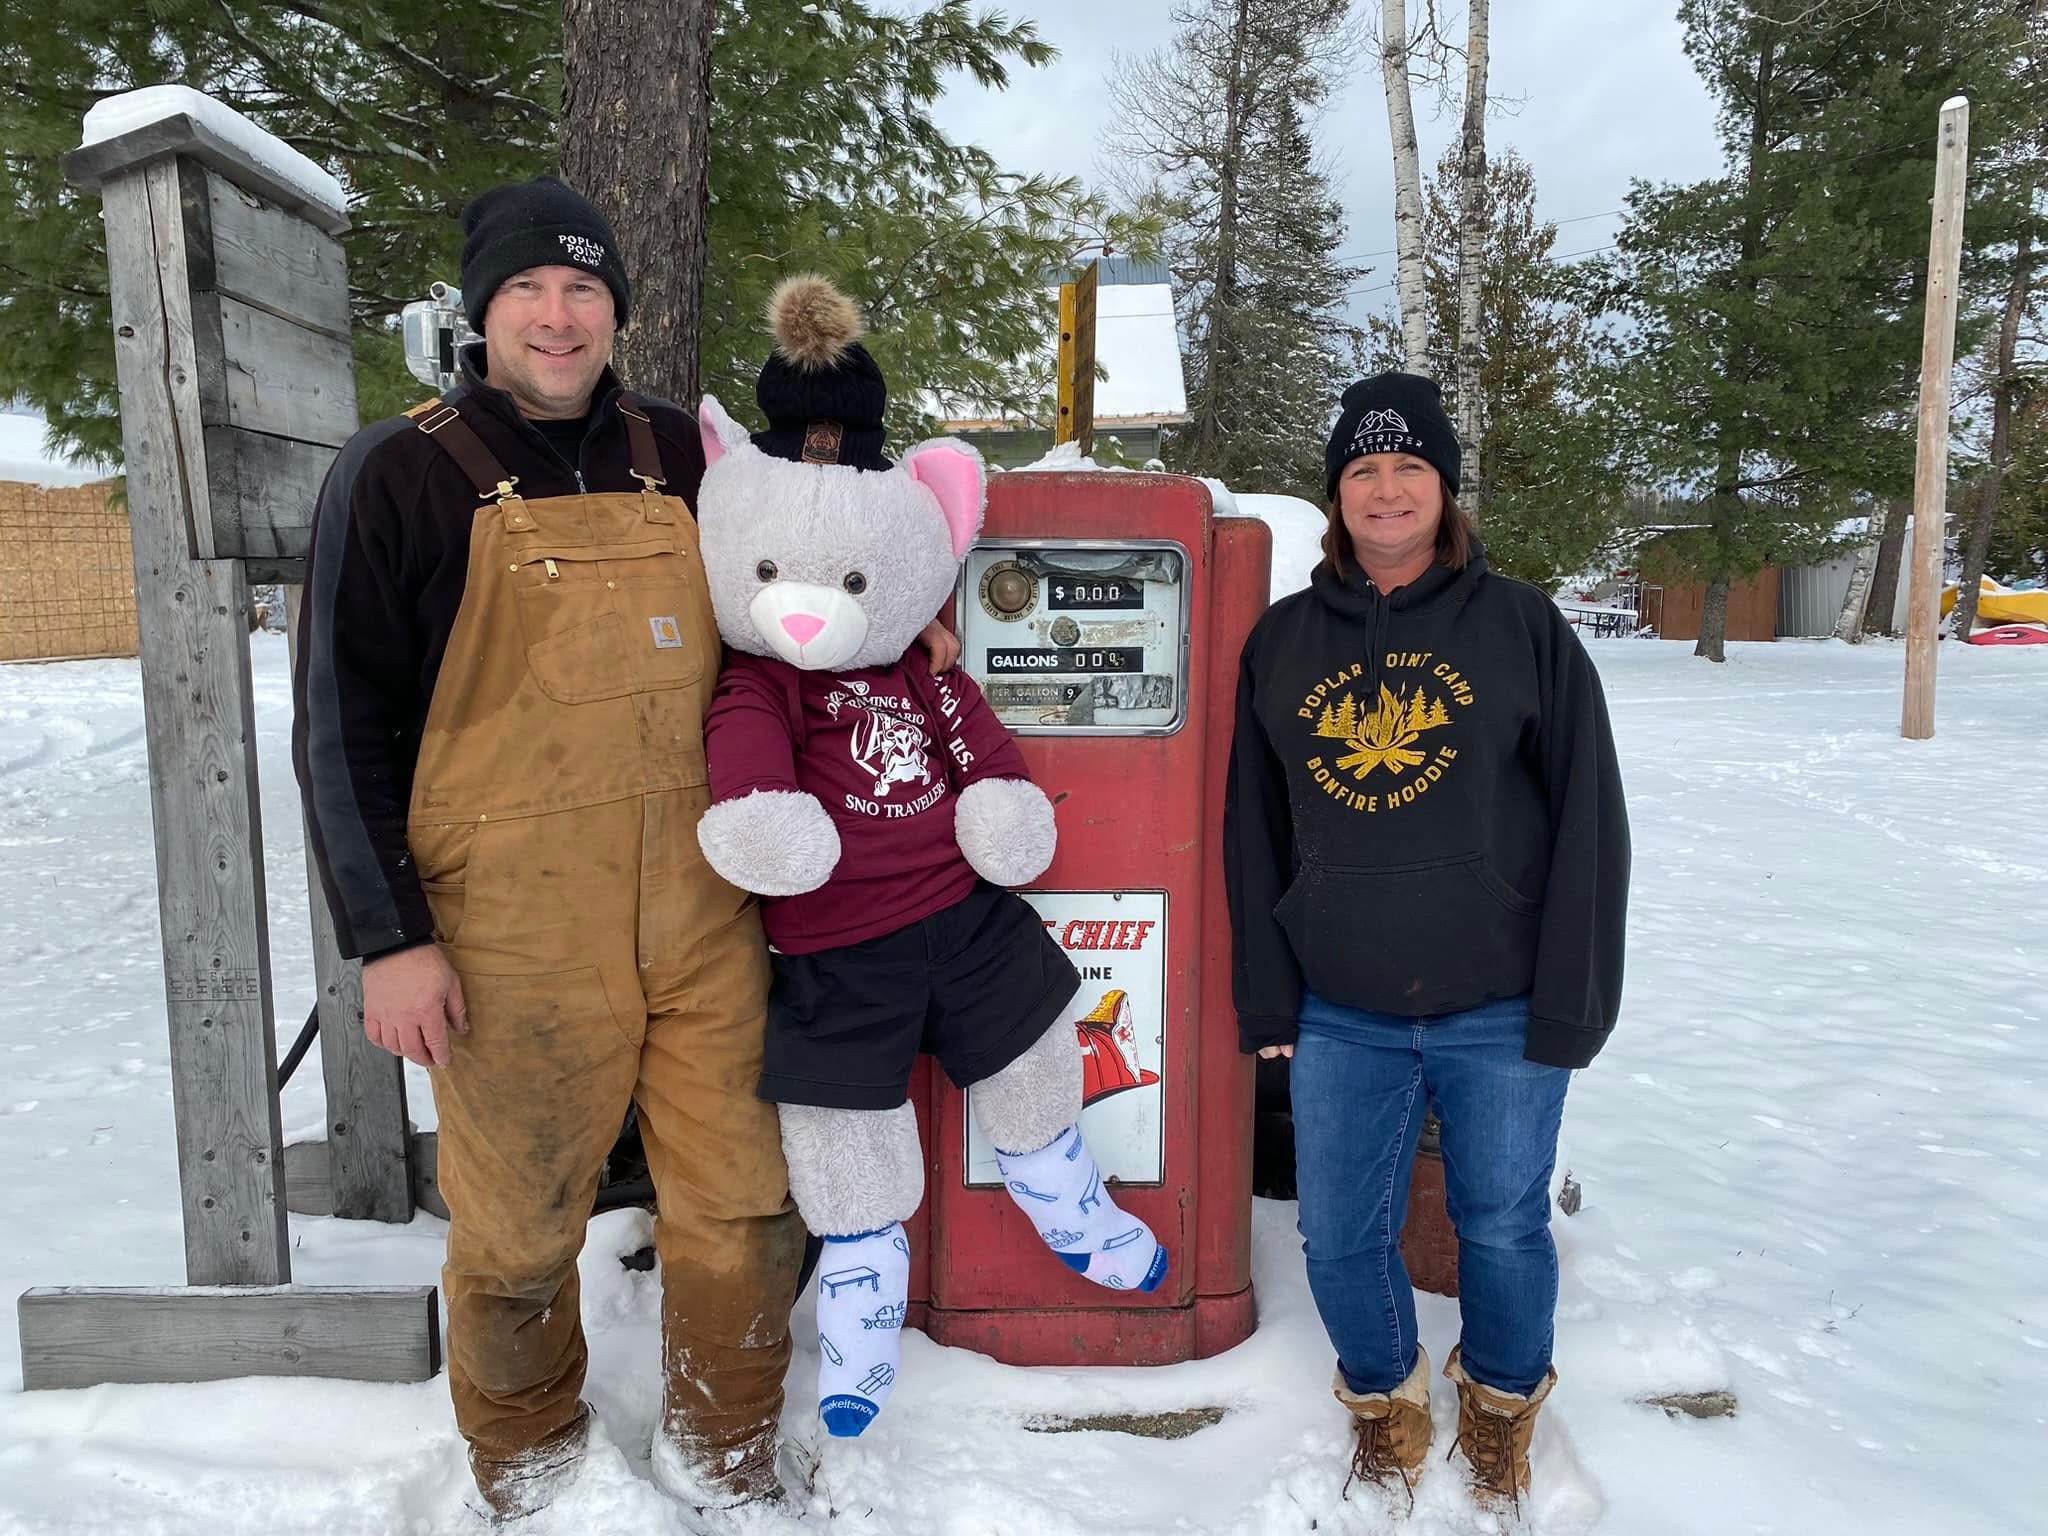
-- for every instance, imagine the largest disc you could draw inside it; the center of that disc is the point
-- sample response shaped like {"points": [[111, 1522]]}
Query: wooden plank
{"points": [[1063, 425], [263, 256], [1084, 357], [309, 1176], [1930, 469], [369, 1142], [272, 376], [81, 1336], [199, 715], [262, 491], [92, 164], [180, 348]]}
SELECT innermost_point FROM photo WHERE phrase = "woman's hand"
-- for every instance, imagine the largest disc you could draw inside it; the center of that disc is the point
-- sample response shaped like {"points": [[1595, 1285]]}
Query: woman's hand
{"points": [[943, 645], [1268, 1052]]}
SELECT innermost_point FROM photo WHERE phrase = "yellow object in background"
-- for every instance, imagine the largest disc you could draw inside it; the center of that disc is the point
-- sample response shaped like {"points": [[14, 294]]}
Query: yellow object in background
{"points": [[2001, 605]]}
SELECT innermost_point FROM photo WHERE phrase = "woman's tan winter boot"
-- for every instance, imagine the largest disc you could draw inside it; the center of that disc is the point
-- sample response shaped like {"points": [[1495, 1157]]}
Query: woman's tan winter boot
{"points": [[1494, 1430], [1393, 1428]]}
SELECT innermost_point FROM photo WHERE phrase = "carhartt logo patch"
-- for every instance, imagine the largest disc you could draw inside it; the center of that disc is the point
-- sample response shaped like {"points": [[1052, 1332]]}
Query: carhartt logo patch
{"points": [[582, 250], [668, 634]]}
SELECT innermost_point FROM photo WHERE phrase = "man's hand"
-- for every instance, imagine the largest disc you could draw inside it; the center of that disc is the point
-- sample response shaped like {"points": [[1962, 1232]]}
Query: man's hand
{"points": [[1268, 1052], [944, 647], [411, 1000]]}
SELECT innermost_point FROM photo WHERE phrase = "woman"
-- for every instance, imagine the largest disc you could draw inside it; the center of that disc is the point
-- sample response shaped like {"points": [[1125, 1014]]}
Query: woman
{"points": [[1427, 856]]}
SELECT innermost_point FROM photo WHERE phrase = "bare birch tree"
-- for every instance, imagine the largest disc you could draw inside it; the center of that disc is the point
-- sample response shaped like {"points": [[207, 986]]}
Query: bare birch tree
{"points": [[1409, 274], [1472, 229]]}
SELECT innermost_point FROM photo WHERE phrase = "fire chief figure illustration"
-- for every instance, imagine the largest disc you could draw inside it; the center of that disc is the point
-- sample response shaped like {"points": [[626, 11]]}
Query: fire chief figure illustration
{"points": [[1109, 1062]]}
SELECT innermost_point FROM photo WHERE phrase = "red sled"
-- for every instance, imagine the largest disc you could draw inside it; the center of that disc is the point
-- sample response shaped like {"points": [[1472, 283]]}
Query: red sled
{"points": [[2012, 634], [1106, 1066]]}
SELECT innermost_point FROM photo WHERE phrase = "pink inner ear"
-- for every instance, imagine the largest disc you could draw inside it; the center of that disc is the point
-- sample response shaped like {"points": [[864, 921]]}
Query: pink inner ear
{"points": [[714, 450], [956, 479]]}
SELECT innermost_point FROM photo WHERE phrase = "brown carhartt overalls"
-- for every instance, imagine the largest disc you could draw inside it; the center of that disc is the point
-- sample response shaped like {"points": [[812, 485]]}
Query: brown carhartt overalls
{"points": [[554, 824]]}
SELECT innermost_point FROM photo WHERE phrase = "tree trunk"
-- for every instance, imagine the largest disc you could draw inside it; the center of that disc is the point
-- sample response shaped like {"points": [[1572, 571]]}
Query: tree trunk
{"points": [[1409, 274], [1978, 545], [636, 122], [1849, 623], [1472, 221], [1714, 621], [1883, 602]]}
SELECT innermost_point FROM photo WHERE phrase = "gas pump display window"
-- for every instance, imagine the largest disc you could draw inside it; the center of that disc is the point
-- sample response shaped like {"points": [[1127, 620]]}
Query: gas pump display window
{"points": [[1078, 636]]}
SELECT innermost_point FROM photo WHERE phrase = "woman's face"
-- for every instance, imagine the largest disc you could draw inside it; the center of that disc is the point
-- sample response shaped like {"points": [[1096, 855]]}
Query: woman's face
{"points": [[1391, 504]]}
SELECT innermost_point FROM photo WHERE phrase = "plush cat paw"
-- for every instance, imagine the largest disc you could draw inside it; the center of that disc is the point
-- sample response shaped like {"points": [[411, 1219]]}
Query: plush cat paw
{"points": [[773, 842], [1005, 828]]}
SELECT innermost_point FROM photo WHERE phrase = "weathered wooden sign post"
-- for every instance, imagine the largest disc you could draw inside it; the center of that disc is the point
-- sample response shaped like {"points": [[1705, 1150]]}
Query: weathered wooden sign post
{"points": [[1930, 471], [1076, 422], [231, 335]]}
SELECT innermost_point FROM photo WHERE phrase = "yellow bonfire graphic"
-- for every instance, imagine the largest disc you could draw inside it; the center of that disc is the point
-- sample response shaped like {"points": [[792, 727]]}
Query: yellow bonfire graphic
{"points": [[1387, 734]]}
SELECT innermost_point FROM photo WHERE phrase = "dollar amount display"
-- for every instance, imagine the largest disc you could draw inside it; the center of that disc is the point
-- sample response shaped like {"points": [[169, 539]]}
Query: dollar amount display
{"points": [[1102, 658], [1094, 596]]}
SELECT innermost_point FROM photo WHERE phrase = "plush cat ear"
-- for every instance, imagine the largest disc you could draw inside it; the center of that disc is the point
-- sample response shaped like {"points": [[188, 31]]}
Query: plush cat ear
{"points": [[719, 430], [954, 473]]}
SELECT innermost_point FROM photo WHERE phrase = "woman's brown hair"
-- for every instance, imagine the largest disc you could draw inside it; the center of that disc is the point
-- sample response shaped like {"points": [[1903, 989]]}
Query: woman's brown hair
{"points": [[1455, 536]]}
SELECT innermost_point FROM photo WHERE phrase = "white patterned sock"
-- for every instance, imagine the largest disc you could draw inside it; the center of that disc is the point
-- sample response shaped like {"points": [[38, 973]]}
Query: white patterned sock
{"points": [[1059, 1187], [863, 1286]]}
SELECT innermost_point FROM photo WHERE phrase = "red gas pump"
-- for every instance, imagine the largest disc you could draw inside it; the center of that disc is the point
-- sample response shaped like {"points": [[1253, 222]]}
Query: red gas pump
{"points": [[1103, 614]]}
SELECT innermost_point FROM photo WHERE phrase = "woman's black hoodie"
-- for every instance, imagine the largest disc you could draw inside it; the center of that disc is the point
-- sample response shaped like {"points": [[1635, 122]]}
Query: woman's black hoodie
{"points": [[1424, 811]]}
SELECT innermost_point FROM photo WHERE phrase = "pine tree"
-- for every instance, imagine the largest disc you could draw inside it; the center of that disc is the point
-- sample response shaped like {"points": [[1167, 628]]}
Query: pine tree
{"points": [[1326, 722], [1347, 716], [1219, 123], [827, 158], [1773, 315], [1545, 494], [1417, 720]]}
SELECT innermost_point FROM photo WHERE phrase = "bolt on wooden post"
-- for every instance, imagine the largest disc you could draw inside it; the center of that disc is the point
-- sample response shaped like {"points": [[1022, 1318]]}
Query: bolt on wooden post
{"points": [[1930, 468], [1076, 422]]}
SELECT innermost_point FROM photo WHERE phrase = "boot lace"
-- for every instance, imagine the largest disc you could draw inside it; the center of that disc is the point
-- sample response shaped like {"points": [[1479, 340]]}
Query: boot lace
{"points": [[1488, 1441], [1372, 1459]]}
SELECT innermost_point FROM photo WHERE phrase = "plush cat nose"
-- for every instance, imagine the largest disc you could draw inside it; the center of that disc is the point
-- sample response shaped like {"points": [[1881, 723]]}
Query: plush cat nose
{"points": [[802, 627]]}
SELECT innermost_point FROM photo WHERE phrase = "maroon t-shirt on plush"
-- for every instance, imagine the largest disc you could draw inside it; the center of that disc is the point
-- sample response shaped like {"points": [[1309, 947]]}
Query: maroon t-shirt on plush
{"points": [[887, 751]]}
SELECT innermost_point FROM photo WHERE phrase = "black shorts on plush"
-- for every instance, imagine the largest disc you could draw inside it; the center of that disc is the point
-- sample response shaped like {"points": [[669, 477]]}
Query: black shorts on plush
{"points": [[974, 985]]}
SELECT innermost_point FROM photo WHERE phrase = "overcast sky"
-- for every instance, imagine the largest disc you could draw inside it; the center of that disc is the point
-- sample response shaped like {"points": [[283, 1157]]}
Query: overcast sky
{"points": [[1600, 90]]}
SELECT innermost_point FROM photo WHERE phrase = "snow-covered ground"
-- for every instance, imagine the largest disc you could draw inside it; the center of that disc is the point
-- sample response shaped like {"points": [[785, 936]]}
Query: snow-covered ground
{"points": [[1813, 1162]]}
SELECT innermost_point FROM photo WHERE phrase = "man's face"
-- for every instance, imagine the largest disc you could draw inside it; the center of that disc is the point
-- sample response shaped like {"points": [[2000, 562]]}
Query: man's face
{"points": [[547, 336]]}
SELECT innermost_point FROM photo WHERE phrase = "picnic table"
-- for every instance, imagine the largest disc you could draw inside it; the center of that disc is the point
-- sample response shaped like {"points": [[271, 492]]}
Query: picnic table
{"points": [[1598, 618]]}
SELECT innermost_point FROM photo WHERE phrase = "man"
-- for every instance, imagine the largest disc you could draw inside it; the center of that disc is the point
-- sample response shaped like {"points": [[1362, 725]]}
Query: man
{"points": [[507, 655]]}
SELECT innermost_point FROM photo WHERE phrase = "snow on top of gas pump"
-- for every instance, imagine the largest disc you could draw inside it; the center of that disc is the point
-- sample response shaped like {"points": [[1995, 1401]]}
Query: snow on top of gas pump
{"points": [[116, 115]]}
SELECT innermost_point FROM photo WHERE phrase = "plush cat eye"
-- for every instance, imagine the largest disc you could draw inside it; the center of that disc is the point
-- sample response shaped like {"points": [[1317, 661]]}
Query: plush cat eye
{"points": [[855, 583], [766, 570]]}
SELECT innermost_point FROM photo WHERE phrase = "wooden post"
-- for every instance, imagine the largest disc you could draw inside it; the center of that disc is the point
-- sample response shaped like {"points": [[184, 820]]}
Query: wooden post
{"points": [[1930, 468], [230, 316], [1077, 360], [268, 396]]}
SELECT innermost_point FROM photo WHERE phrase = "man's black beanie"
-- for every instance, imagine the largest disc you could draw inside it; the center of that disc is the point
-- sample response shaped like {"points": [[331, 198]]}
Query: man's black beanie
{"points": [[539, 223], [1393, 413]]}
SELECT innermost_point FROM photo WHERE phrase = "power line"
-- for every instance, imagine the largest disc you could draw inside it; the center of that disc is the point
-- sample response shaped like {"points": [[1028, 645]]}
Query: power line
{"points": [[1579, 218], [1565, 256]]}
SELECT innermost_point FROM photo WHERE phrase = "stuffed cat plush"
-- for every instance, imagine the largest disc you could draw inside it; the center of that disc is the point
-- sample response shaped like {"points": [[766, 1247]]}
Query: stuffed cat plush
{"points": [[880, 812]]}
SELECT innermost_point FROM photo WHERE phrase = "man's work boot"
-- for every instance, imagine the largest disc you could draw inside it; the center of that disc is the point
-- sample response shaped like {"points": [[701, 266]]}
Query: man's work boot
{"points": [[525, 1483], [1494, 1430], [1393, 1429]]}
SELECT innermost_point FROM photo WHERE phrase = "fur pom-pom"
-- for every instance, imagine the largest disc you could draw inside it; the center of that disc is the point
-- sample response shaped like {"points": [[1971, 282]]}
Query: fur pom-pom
{"points": [[812, 321]]}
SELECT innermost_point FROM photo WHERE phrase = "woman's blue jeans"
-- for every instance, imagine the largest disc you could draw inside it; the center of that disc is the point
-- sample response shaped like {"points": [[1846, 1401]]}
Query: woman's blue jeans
{"points": [[1362, 1083]]}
